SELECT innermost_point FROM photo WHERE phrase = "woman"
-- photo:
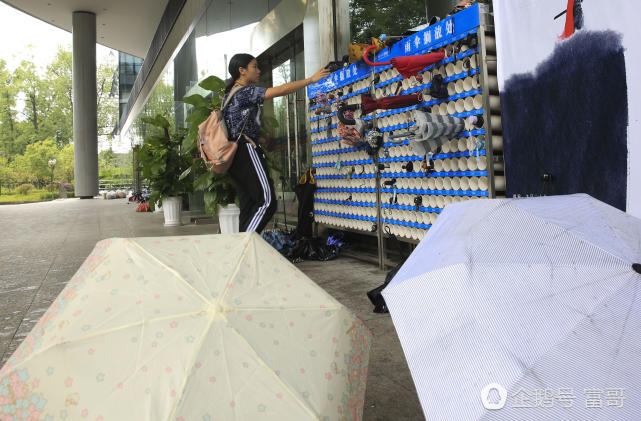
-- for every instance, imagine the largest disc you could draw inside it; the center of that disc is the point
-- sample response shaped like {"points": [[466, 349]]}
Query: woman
{"points": [[242, 117]]}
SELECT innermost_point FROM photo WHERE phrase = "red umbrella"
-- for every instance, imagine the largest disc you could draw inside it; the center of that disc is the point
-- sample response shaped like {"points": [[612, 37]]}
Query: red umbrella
{"points": [[368, 104], [407, 66]]}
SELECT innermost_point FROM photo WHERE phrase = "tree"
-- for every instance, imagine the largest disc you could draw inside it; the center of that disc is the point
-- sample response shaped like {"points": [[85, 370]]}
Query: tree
{"points": [[4, 172], [106, 158], [34, 93], [19, 171], [64, 166], [107, 88], [36, 117], [37, 156], [160, 102], [371, 18], [59, 120], [8, 93]]}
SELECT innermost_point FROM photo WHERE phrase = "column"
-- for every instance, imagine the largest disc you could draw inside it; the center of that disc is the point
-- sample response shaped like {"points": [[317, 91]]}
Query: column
{"points": [[85, 109]]}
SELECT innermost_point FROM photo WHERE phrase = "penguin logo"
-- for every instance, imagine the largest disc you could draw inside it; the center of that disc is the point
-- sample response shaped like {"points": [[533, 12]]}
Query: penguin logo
{"points": [[493, 396]]}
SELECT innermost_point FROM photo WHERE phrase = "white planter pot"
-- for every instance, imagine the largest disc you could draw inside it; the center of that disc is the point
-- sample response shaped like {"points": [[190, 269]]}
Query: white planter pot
{"points": [[171, 208], [157, 208], [228, 218]]}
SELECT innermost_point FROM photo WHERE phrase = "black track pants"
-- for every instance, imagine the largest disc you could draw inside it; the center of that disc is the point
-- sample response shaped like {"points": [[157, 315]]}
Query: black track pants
{"points": [[254, 187]]}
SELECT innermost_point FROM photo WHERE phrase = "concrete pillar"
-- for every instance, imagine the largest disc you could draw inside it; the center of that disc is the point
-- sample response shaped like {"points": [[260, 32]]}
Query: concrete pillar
{"points": [[318, 29], [85, 108]]}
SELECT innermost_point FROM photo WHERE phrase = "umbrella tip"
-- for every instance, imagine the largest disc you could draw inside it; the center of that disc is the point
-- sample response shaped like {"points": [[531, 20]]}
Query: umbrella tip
{"points": [[637, 267]]}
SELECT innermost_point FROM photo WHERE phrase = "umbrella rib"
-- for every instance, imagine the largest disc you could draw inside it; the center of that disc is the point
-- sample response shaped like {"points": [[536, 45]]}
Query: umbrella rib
{"points": [[628, 249], [574, 288], [102, 332], [287, 308], [190, 366], [625, 323], [572, 233], [530, 369], [274, 375], [231, 277], [176, 274]]}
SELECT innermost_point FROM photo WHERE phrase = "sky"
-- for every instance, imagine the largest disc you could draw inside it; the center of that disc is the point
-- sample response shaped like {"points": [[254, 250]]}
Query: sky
{"points": [[41, 41]]}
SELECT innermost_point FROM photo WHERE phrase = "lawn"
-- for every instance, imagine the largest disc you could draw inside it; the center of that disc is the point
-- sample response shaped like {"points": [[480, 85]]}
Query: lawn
{"points": [[34, 195]]}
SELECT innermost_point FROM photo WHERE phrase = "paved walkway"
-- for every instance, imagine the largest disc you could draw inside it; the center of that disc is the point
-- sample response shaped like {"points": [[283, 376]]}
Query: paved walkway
{"points": [[43, 244]]}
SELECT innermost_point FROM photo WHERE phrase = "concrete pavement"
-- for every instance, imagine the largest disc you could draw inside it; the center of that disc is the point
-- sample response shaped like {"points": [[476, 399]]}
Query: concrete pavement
{"points": [[43, 244]]}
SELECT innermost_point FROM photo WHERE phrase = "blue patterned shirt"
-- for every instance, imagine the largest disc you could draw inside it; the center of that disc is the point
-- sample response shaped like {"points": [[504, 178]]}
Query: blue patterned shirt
{"points": [[244, 105]]}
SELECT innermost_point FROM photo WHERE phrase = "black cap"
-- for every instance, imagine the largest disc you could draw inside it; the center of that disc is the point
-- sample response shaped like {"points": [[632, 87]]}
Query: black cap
{"points": [[637, 267]]}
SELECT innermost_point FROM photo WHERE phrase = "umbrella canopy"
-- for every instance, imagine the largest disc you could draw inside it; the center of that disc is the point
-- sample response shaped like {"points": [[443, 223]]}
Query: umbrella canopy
{"points": [[520, 309], [368, 104], [407, 66], [189, 328]]}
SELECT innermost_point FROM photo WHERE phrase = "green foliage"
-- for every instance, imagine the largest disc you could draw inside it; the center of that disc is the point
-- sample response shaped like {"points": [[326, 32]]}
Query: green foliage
{"points": [[162, 162], [214, 84], [24, 188], [114, 173], [371, 18], [114, 166], [34, 195], [219, 189], [38, 156], [4, 172], [64, 167], [36, 113], [160, 103]]}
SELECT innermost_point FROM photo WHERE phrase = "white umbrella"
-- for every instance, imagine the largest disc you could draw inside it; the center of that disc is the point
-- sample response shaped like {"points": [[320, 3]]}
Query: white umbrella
{"points": [[211, 327], [524, 309]]}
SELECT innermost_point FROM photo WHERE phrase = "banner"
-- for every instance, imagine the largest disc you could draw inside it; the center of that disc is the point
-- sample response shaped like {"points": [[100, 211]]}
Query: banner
{"points": [[570, 98]]}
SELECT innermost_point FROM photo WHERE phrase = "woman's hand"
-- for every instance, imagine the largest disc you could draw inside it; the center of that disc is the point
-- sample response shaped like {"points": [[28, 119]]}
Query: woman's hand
{"points": [[323, 72], [290, 87]]}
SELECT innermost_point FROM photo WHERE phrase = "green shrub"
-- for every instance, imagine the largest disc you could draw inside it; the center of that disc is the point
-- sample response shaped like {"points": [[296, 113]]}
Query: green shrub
{"points": [[24, 188]]}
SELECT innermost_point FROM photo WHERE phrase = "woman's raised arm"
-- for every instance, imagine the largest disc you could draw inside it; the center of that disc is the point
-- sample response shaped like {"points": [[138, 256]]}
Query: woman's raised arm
{"points": [[290, 87]]}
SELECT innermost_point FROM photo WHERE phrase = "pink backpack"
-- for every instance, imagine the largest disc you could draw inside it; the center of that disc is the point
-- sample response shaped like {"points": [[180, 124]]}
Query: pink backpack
{"points": [[213, 143]]}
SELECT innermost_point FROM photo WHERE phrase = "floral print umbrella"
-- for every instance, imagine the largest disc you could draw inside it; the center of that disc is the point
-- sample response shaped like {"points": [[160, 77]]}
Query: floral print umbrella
{"points": [[213, 327]]}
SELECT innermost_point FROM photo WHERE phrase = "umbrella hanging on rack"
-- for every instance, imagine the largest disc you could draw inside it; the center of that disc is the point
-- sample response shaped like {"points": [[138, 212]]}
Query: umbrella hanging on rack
{"points": [[430, 131], [368, 104], [407, 66], [508, 301]]}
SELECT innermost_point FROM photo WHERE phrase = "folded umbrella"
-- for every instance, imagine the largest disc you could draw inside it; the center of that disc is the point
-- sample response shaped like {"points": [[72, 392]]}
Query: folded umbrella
{"points": [[510, 302], [407, 66], [352, 135], [431, 131], [368, 104]]}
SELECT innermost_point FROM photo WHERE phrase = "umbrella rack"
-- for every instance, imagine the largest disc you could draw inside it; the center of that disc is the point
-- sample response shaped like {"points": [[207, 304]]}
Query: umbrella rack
{"points": [[395, 191]]}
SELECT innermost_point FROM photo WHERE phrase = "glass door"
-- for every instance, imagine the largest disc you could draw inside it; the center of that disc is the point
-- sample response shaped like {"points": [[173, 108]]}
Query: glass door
{"points": [[284, 124]]}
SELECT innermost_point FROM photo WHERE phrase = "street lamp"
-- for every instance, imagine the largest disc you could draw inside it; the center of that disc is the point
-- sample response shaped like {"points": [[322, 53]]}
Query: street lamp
{"points": [[52, 164]]}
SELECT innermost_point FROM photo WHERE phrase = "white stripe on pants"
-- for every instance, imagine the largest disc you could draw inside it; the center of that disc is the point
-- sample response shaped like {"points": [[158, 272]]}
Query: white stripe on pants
{"points": [[253, 224]]}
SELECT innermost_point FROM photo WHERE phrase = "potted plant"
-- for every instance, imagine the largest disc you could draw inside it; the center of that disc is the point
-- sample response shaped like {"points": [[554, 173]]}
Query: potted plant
{"points": [[162, 161], [219, 189]]}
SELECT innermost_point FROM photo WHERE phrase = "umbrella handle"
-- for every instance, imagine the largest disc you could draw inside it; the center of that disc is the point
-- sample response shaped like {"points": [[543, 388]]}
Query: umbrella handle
{"points": [[371, 63], [342, 109]]}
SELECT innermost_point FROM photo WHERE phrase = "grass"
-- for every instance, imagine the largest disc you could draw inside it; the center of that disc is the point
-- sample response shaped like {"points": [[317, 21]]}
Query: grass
{"points": [[34, 195]]}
